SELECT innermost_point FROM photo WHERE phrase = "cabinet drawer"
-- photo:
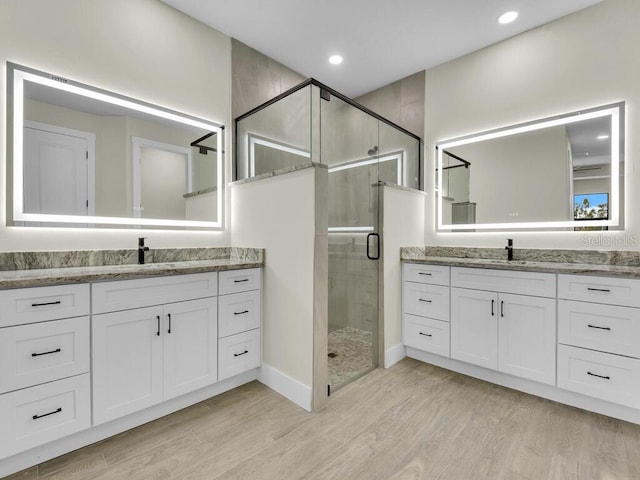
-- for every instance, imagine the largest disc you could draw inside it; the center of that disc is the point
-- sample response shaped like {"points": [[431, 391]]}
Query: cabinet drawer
{"points": [[238, 312], [523, 283], [613, 291], [37, 415], [145, 292], [607, 328], [602, 375], [426, 300], [426, 334], [38, 304], [238, 353], [235, 281], [434, 274], [43, 352]]}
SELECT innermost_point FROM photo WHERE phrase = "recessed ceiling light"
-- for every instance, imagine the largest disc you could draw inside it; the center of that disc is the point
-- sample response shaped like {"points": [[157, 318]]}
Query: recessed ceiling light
{"points": [[507, 17], [335, 59], [602, 137]]}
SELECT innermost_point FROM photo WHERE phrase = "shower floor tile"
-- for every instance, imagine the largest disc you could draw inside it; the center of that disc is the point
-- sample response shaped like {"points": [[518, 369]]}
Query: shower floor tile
{"points": [[353, 354]]}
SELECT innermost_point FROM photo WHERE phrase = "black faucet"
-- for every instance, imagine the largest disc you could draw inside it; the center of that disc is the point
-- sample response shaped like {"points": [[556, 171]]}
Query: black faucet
{"points": [[141, 250], [509, 249]]}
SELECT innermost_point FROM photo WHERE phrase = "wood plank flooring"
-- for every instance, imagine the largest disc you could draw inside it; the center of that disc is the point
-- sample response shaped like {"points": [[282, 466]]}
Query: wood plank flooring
{"points": [[412, 421]]}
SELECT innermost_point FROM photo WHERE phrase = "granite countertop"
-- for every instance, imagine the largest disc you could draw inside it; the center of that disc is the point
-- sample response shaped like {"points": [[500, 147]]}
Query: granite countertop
{"points": [[67, 271], [530, 260]]}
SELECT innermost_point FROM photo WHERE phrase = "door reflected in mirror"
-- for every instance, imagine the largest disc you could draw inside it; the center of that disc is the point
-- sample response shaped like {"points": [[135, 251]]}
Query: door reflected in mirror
{"points": [[545, 174], [86, 157]]}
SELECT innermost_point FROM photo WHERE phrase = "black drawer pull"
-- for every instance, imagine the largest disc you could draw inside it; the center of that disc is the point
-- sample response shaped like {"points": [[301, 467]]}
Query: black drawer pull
{"points": [[240, 281], [57, 350], [425, 334], [57, 302], [425, 273], [599, 376], [36, 417], [424, 300], [241, 313], [606, 290], [599, 328], [238, 354]]}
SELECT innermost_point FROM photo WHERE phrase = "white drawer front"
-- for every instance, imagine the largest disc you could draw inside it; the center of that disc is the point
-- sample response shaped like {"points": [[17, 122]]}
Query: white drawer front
{"points": [[426, 334], [238, 312], [507, 281], [613, 291], [235, 281], [145, 292], [426, 300], [238, 353], [43, 352], [28, 305], [434, 274], [601, 375], [607, 328], [37, 415]]}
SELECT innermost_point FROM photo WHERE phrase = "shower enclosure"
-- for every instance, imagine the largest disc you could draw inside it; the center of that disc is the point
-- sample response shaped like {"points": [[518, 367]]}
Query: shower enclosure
{"points": [[362, 151]]}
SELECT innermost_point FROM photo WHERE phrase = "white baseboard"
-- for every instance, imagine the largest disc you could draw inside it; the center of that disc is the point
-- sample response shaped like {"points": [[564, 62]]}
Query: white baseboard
{"points": [[394, 354], [67, 444], [296, 391]]}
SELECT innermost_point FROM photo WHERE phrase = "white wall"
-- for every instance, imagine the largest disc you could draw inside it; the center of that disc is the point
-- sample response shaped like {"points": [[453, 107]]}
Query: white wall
{"points": [[143, 49], [585, 59], [278, 214], [403, 212]]}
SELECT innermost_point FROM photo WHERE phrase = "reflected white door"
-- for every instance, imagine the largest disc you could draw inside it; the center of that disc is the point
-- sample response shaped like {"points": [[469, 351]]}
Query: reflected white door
{"points": [[55, 172]]}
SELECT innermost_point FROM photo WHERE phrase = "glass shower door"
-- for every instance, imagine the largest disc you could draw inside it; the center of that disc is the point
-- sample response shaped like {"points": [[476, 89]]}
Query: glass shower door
{"points": [[349, 147]]}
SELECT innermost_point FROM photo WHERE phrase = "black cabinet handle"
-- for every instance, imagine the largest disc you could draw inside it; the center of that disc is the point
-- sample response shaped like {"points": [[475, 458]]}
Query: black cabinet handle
{"points": [[599, 328], [57, 350], [599, 376], [492, 305], [424, 300], [502, 308], [241, 313], [238, 354], [169, 315], [158, 332], [240, 281], [377, 255], [425, 334], [599, 289], [36, 417], [44, 304], [424, 273]]}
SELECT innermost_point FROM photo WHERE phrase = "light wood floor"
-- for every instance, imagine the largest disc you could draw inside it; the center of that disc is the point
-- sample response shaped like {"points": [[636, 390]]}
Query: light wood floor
{"points": [[413, 421]]}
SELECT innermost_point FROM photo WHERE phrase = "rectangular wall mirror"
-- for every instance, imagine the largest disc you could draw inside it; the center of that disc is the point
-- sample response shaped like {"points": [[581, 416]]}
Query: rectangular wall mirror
{"points": [[83, 156], [559, 173]]}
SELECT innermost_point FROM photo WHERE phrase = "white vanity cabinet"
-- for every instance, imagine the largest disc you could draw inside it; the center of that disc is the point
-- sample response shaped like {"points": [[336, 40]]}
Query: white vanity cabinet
{"points": [[599, 337], [425, 307], [501, 328], [44, 355], [143, 356]]}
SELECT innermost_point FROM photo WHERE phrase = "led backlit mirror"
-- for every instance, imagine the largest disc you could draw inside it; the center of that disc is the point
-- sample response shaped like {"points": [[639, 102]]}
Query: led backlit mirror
{"points": [[559, 173], [88, 157]]}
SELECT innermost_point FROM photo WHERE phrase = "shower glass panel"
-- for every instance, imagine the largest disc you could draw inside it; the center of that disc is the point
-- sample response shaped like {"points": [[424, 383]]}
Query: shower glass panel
{"points": [[349, 146], [313, 123]]}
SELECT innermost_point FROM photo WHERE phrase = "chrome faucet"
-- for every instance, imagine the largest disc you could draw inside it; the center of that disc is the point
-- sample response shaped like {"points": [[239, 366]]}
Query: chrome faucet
{"points": [[509, 249], [141, 250]]}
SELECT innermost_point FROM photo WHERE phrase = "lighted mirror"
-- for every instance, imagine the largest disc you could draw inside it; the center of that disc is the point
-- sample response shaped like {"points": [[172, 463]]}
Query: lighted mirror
{"points": [[83, 156], [559, 173]]}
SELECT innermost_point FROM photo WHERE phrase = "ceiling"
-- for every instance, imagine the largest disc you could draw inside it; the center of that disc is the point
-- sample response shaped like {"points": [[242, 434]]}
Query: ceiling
{"points": [[381, 40]]}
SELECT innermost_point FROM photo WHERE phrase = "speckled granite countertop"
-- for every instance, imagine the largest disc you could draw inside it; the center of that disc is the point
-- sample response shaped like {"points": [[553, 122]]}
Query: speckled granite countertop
{"points": [[586, 262], [81, 267]]}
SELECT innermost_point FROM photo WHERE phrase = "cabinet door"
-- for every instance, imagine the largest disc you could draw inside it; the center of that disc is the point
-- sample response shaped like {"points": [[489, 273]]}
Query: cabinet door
{"points": [[190, 346], [527, 337], [474, 327], [127, 362]]}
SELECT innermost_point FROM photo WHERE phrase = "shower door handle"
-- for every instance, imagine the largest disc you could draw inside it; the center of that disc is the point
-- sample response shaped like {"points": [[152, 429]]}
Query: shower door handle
{"points": [[377, 237]]}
